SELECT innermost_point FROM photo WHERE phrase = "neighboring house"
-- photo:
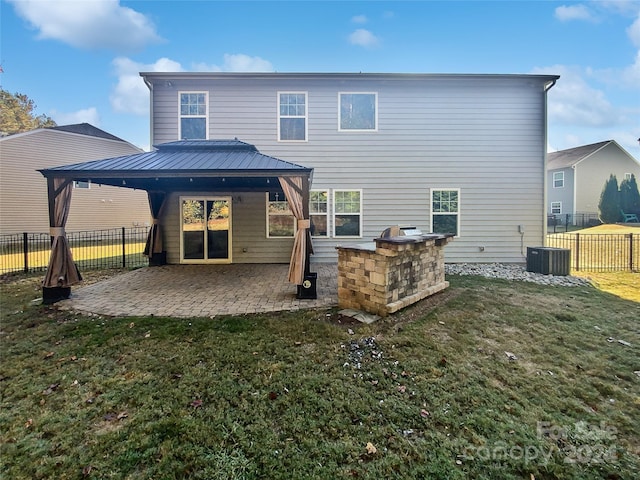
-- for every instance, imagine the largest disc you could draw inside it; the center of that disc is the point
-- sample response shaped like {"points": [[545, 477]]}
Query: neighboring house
{"points": [[576, 176], [448, 153], [23, 190]]}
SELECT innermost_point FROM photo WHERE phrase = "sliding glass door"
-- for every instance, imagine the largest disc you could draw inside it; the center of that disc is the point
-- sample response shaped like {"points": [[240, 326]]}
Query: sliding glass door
{"points": [[205, 230]]}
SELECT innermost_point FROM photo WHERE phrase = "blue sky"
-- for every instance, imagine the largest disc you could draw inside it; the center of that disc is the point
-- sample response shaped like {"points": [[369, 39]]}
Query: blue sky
{"points": [[79, 59]]}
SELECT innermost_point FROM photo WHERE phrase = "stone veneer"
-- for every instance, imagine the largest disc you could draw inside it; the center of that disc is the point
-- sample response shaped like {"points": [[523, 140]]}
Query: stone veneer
{"points": [[392, 273]]}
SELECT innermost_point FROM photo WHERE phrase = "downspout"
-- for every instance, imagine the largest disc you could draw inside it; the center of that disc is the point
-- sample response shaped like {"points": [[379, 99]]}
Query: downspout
{"points": [[548, 86], [150, 86]]}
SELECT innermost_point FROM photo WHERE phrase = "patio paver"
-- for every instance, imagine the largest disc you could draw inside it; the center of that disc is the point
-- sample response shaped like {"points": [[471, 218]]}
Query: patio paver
{"points": [[188, 291]]}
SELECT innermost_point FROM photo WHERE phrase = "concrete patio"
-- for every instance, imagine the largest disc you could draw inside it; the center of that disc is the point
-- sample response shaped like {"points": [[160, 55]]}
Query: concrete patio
{"points": [[187, 291]]}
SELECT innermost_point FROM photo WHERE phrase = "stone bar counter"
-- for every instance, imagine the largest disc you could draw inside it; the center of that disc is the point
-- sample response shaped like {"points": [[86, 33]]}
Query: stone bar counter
{"points": [[389, 274]]}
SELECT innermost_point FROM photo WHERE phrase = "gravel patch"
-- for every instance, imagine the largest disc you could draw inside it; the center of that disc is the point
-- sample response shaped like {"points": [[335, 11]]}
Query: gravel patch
{"points": [[512, 272]]}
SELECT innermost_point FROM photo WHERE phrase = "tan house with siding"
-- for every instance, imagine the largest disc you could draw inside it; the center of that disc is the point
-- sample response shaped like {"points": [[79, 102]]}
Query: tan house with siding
{"points": [[576, 176], [23, 190]]}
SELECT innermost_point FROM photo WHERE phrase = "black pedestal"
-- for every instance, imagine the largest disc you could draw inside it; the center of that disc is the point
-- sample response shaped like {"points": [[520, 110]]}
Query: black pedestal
{"points": [[158, 259], [308, 289], [55, 294]]}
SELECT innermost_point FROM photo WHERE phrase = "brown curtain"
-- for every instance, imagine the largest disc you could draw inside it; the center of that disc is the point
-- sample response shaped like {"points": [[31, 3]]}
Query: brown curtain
{"points": [[62, 271], [154, 240], [293, 190]]}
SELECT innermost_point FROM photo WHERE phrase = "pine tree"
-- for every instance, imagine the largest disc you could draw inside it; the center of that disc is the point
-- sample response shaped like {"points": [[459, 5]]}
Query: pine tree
{"points": [[609, 206], [629, 195]]}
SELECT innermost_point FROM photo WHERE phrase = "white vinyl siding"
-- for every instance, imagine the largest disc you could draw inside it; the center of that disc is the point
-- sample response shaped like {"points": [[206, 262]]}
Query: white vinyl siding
{"points": [[193, 124], [292, 116]]}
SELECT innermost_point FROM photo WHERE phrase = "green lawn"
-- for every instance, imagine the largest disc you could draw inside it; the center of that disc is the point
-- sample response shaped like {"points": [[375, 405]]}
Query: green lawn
{"points": [[489, 379]]}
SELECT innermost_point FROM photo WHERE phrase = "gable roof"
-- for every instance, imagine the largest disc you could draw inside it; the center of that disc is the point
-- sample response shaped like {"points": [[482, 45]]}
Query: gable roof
{"points": [[86, 129], [572, 156], [184, 163]]}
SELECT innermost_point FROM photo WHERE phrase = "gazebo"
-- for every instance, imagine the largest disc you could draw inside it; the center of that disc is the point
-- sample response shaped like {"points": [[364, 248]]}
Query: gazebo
{"points": [[181, 166]]}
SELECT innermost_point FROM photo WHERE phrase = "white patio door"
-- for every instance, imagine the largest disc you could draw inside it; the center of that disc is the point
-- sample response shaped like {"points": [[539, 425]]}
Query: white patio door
{"points": [[205, 230]]}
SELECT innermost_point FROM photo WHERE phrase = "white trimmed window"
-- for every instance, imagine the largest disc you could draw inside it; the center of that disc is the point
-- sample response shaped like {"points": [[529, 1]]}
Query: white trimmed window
{"points": [[292, 116], [558, 180], [445, 210], [81, 184], [627, 176], [357, 111], [193, 115], [347, 213], [319, 213], [556, 208], [280, 220]]}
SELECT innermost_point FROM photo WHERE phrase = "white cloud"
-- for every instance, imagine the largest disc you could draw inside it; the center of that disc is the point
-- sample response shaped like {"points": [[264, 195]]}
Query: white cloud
{"points": [[359, 19], [574, 12], [363, 38], [572, 101], [93, 24], [236, 63], [130, 94], [634, 32], [87, 115]]}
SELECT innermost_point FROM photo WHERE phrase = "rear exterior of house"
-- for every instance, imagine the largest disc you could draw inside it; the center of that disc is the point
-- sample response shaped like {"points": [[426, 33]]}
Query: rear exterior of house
{"points": [[23, 190], [461, 154], [576, 176]]}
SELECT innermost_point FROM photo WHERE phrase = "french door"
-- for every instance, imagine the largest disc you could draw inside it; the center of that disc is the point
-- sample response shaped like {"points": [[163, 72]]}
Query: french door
{"points": [[205, 229]]}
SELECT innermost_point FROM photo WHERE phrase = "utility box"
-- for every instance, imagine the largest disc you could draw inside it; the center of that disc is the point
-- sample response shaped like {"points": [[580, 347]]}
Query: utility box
{"points": [[549, 260]]}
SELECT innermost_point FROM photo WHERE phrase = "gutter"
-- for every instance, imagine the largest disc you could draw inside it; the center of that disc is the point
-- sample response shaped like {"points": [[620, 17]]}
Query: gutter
{"points": [[150, 86]]}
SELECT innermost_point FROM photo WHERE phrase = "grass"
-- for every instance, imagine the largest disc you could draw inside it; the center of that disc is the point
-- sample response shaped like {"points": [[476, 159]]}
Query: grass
{"points": [[427, 393]]}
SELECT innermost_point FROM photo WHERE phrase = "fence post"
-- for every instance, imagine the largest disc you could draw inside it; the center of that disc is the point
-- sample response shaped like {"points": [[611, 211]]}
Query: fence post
{"points": [[631, 252], [124, 253], [577, 252], [25, 250]]}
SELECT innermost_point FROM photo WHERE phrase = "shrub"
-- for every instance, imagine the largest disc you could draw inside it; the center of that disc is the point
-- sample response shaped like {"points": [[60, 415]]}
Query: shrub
{"points": [[609, 206]]}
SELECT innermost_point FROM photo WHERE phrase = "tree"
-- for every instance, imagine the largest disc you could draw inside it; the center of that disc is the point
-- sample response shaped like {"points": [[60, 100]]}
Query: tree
{"points": [[629, 195], [17, 114], [609, 205]]}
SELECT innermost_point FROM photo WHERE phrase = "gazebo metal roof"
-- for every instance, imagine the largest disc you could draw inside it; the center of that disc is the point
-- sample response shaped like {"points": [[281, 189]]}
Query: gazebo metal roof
{"points": [[188, 165]]}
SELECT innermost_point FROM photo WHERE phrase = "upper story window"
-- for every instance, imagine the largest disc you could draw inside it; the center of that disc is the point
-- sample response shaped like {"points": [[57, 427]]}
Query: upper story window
{"points": [[292, 116], [347, 213], [558, 180], [193, 115], [81, 184], [627, 176], [319, 212], [358, 111], [445, 211]]}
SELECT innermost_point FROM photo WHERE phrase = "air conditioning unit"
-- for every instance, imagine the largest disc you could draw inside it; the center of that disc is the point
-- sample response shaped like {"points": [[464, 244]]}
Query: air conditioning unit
{"points": [[548, 260]]}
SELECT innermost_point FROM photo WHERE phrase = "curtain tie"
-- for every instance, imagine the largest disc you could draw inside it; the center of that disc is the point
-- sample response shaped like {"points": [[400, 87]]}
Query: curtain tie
{"points": [[156, 221], [56, 231], [304, 223]]}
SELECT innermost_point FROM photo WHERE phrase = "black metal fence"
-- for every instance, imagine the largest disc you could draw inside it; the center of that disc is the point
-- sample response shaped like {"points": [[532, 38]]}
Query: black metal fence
{"points": [[96, 249], [600, 252], [568, 221]]}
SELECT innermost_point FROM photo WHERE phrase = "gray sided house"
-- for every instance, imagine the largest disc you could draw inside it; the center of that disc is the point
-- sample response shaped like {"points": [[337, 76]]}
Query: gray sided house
{"points": [[576, 176], [248, 165], [444, 153], [23, 191]]}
